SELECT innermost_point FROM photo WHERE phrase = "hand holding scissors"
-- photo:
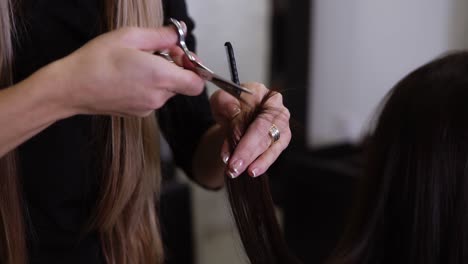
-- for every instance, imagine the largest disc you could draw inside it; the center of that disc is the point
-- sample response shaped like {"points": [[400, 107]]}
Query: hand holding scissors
{"points": [[203, 71]]}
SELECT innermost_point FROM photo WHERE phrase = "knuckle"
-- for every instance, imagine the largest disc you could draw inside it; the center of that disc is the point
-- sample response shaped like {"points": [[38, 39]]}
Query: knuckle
{"points": [[215, 98], [286, 140], [278, 96], [216, 94], [255, 86], [258, 85], [288, 137], [163, 33], [276, 149], [158, 77], [198, 83], [258, 96], [242, 153], [259, 129], [156, 101], [282, 118], [266, 142], [130, 33], [249, 85], [276, 99], [286, 114], [195, 84]]}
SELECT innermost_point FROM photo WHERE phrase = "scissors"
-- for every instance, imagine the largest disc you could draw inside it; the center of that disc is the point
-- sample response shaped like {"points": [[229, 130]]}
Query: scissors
{"points": [[203, 71]]}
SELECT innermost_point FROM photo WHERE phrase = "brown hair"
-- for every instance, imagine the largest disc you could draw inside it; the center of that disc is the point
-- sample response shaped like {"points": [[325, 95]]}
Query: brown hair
{"points": [[125, 215], [412, 200], [251, 202]]}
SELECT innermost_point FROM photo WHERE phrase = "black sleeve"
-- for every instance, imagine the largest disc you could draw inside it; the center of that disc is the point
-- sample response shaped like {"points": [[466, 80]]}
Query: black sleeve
{"points": [[184, 119]]}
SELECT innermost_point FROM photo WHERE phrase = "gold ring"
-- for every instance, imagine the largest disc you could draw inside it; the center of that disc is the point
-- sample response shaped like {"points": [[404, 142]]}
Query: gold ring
{"points": [[274, 133]]}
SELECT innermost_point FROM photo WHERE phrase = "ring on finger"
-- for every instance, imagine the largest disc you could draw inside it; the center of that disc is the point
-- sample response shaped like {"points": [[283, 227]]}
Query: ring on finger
{"points": [[274, 133]]}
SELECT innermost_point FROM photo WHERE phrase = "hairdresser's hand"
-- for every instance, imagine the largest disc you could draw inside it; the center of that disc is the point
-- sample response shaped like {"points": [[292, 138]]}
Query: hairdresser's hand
{"points": [[255, 151], [117, 74]]}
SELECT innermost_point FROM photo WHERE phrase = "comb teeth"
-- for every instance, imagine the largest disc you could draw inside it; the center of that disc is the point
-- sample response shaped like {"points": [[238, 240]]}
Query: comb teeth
{"points": [[232, 62]]}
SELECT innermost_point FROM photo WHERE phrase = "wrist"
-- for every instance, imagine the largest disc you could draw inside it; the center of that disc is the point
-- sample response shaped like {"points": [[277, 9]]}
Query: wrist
{"points": [[49, 89]]}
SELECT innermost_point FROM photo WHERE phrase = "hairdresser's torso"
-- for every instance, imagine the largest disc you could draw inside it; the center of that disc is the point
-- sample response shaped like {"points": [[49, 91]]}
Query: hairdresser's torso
{"points": [[59, 185], [58, 166]]}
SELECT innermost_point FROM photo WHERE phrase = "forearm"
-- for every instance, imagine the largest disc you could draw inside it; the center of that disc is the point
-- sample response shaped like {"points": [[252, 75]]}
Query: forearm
{"points": [[29, 107], [207, 164]]}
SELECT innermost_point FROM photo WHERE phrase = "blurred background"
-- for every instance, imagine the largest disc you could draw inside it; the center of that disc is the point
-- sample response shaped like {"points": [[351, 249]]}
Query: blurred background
{"points": [[335, 60]]}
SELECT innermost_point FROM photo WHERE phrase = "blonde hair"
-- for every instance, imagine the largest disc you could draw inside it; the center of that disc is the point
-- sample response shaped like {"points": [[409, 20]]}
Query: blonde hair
{"points": [[125, 215]]}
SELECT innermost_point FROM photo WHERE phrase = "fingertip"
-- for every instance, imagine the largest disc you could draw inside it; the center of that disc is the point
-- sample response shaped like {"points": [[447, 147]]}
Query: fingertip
{"points": [[231, 174], [190, 83], [225, 158], [184, 26], [233, 111], [255, 172], [235, 167], [225, 153], [199, 84], [182, 81]]}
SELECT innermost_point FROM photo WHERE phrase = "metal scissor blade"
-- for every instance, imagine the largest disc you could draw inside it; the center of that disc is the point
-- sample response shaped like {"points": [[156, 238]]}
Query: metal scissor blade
{"points": [[228, 86]]}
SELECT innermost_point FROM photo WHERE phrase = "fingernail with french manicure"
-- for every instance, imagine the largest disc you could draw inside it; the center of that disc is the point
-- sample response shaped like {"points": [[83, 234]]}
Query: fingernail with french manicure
{"points": [[231, 174], [235, 168], [255, 173], [235, 111], [225, 157]]}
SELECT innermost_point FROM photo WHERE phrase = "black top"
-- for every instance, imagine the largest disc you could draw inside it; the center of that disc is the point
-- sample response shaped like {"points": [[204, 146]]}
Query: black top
{"points": [[60, 184]]}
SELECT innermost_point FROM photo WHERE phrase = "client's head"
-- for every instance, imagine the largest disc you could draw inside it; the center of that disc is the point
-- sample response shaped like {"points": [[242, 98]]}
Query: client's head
{"points": [[413, 205]]}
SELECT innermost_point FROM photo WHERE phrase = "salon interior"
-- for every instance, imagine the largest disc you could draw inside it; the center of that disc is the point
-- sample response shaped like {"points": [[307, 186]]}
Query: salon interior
{"points": [[334, 60]]}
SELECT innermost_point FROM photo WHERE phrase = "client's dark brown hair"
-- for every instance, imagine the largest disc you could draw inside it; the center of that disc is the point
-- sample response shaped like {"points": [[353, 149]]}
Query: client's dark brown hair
{"points": [[252, 204], [412, 203]]}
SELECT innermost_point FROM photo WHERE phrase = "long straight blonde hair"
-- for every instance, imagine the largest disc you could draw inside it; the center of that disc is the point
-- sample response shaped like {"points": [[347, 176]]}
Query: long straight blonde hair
{"points": [[125, 215]]}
